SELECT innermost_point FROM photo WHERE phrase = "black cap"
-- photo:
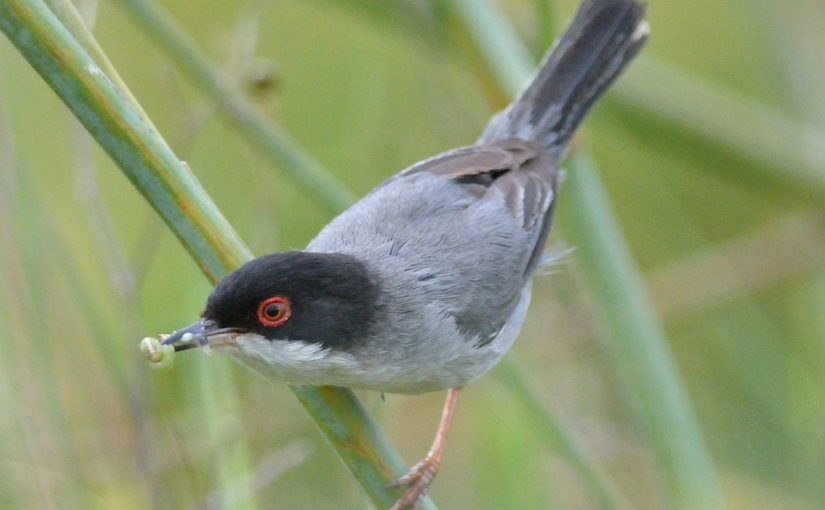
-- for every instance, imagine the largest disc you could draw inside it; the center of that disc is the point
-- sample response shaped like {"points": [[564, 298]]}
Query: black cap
{"points": [[325, 298]]}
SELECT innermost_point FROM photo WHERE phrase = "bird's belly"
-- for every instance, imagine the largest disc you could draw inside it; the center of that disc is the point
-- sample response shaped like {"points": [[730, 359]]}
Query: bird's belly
{"points": [[443, 364]]}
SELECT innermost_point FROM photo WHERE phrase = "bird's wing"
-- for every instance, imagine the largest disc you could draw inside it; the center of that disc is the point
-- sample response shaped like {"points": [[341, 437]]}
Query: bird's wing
{"points": [[461, 232], [518, 169], [515, 229]]}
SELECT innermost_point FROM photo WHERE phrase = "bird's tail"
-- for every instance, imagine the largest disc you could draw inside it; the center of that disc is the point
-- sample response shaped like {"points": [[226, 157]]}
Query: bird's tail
{"points": [[600, 42]]}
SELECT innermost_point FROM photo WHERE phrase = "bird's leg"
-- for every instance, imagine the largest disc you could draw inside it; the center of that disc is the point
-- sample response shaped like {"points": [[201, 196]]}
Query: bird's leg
{"points": [[419, 477]]}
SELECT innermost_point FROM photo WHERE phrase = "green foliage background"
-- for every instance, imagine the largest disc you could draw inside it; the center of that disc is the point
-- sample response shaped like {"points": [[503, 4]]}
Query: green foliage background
{"points": [[730, 242]]}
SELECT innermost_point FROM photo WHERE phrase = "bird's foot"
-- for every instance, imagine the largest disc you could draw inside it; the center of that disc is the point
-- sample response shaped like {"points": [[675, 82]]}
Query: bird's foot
{"points": [[417, 481]]}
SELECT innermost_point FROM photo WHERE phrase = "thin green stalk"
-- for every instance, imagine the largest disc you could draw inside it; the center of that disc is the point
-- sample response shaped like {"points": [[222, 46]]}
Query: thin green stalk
{"points": [[219, 397], [565, 443], [547, 16], [786, 150], [641, 352], [68, 14], [173, 191], [274, 142], [638, 346], [123, 132], [508, 60]]}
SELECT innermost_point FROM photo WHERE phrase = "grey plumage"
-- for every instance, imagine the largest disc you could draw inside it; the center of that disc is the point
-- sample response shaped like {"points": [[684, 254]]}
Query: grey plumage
{"points": [[447, 248], [424, 284], [454, 240]]}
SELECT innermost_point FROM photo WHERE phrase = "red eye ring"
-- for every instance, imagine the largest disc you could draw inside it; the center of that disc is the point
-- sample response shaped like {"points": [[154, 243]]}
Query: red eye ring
{"points": [[274, 312]]}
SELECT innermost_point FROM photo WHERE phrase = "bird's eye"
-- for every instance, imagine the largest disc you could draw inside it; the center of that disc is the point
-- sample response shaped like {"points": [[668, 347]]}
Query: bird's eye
{"points": [[274, 311]]}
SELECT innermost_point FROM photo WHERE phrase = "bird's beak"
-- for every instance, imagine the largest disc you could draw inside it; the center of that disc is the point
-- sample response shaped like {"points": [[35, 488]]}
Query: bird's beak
{"points": [[201, 334]]}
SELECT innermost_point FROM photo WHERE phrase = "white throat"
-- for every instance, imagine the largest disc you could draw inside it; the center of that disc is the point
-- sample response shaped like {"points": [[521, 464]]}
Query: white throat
{"points": [[294, 361]]}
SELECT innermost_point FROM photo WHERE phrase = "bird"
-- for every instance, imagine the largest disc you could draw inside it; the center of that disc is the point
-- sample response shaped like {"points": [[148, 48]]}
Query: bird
{"points": [[424, 284]]}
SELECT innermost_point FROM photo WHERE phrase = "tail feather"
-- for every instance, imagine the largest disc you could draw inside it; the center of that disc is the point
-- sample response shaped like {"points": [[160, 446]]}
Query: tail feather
{"points": [[600, 42]]}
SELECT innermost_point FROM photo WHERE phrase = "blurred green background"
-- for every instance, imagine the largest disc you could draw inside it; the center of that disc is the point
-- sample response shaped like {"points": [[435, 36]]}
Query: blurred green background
{"points": [[701, 148]]}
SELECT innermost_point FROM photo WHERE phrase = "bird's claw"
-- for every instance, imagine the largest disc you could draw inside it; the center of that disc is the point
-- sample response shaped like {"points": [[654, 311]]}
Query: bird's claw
{"points": [[417, 480]]}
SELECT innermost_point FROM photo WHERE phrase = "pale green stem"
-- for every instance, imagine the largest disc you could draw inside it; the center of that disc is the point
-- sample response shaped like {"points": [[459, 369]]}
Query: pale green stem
{"points": [[272, 140], [785, 150], [603, 487], [637, 344], [171, 188], [68, 14]]}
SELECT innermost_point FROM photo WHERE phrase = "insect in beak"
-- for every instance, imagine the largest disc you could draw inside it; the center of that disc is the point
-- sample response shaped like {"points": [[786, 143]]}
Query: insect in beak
{"points": [[204, 333]]}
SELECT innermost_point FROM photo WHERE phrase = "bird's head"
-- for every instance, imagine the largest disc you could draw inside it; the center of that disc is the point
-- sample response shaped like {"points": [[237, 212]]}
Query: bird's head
{"points": [[314, 298]]}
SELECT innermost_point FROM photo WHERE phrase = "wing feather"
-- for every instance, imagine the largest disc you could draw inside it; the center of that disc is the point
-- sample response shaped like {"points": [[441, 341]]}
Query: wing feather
{"points": [[518, 169]]}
